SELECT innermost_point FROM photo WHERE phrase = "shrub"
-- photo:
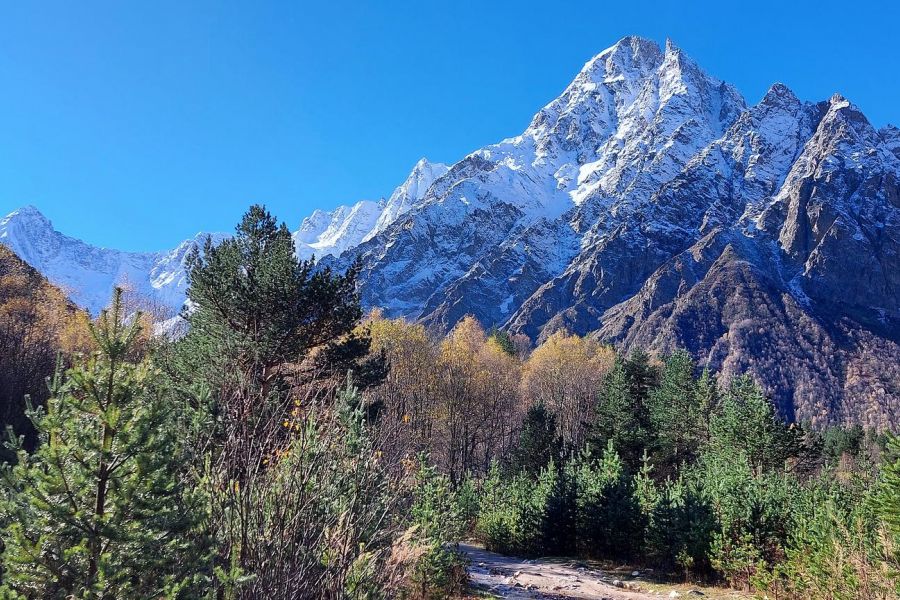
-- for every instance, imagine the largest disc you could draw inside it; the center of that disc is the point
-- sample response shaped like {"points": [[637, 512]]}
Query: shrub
{"points": [[439, 522], [607, 514], [519, 515], [837, 547]]}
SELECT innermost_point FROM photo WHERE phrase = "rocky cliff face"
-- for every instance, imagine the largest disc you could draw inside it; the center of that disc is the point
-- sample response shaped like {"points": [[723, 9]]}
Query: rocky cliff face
{"points": [[649, 206]]}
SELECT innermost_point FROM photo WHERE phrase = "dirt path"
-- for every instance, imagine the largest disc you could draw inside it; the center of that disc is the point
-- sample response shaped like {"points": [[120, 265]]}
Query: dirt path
{"points": [[510, 577]]}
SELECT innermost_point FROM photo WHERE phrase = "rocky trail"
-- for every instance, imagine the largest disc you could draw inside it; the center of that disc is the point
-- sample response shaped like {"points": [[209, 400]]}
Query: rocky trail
{"points": [[494, 575]]}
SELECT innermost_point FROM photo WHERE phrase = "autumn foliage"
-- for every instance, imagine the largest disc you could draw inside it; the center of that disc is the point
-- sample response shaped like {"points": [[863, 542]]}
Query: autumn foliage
{"points": [[462, 397], [37, 325]]}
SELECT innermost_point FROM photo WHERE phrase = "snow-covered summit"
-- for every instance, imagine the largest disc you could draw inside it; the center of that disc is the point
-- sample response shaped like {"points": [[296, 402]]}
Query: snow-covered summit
{"points": [[89, 273], [324, 233], [408, 193], [331, 233], [645, 185]]}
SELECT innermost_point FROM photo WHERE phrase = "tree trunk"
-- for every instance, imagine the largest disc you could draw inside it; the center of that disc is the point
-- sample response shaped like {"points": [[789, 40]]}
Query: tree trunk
{"points": [[100, 502]]}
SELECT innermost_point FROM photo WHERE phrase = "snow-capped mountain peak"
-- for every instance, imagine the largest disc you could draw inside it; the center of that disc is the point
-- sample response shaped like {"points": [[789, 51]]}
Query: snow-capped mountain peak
{"points": [[312, 227], [331, 233], [28, 214], [639, 199], [89, 273], [408, 193], [27, 232]]}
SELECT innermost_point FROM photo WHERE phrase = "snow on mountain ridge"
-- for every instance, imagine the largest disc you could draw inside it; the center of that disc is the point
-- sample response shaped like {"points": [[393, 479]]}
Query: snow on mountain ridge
{"points": [[645, 184], [408, 194], [627, 124], [345, 227], [88, 273], [601, 148], [331, 233]]}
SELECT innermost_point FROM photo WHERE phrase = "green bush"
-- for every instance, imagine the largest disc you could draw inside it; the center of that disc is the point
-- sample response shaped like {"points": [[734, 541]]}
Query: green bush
{"points": [[607, 514], [520, 515], [439, 518], [680, 527], [753, 514]]}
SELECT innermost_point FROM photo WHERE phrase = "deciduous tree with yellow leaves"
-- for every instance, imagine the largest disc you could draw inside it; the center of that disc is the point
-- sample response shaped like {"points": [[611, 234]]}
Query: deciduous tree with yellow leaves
{"points": [[565, 374]]}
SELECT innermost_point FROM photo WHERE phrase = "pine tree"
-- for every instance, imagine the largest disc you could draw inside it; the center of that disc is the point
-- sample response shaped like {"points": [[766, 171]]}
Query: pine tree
{"points": [[707, 401], [675, 414], [622, 417], [271, 339], [97, 510], [255, 307], [554, 496], [747, 423], [606, 512], [504, 340], [888, 497]]}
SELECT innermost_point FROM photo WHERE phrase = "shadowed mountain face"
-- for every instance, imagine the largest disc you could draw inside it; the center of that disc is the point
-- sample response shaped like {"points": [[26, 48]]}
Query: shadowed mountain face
{"points": [[648, 206]]}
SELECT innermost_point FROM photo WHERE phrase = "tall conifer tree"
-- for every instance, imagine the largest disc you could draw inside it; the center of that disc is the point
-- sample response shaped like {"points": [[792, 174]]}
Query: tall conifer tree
{"points": [[96, 511], [254, 306]]}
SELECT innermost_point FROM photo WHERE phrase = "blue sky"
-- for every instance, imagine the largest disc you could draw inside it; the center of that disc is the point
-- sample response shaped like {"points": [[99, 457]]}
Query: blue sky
{"points": [[134, 125]]}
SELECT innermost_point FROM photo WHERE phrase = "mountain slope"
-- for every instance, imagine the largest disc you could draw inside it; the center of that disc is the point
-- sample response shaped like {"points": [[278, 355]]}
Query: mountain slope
{"points": [[87, 273], [649, 206], [331, 233], [37, 323]]}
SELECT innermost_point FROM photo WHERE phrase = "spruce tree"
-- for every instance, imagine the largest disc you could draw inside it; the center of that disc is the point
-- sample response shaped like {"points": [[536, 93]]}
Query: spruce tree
{"points": [[539, 442], [97, 511], [641, 379]]}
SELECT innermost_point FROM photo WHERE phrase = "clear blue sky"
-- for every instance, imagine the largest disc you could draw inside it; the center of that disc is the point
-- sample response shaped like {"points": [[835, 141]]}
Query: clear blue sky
{"points": [[134, 125]]}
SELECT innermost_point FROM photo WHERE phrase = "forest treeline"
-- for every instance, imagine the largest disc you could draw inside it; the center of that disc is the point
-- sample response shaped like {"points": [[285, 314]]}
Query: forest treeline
{"points": [[572, 449], [288, 446]]}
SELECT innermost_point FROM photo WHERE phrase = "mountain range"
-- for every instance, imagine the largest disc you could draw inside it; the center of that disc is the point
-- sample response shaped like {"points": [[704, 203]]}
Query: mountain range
{"points": [[649, 206], [88, 273]]}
